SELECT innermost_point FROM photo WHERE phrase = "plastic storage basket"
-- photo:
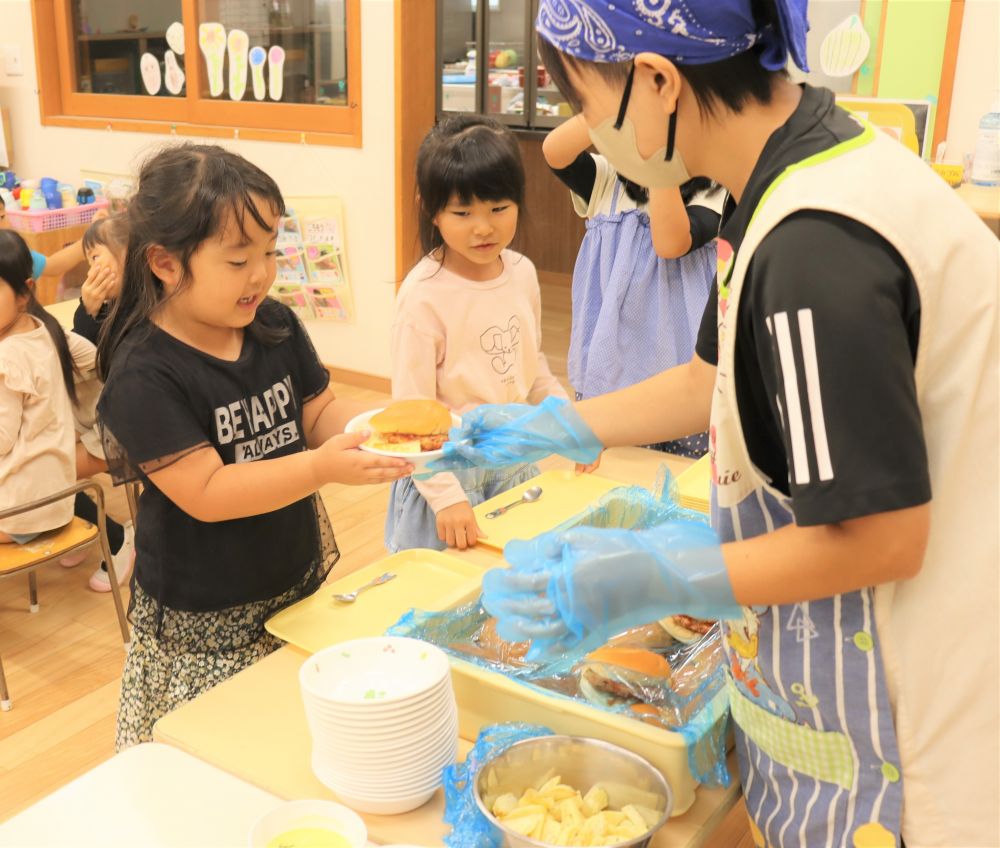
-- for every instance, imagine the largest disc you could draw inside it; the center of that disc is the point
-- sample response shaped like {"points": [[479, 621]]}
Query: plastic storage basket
{"points": [[42, 220]]}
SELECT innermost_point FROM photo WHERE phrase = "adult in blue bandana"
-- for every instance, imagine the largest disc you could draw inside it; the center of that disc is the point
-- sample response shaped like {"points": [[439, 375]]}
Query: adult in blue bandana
{"points": [[845, 366]]}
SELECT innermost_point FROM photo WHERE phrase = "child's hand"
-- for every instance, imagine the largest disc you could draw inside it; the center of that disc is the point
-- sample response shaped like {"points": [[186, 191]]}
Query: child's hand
{"points": [[101, 285], [456, 526], [341, 462], [590, 469]]}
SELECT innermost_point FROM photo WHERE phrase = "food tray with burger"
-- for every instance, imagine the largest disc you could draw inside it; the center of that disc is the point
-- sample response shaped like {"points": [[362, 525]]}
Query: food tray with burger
{"points": [[644, 691], [414, 430], [657, 690]]}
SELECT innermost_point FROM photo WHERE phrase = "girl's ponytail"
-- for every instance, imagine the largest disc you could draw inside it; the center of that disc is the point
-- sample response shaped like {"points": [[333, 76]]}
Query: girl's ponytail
{"points": [[69, 369], [15, 268]]}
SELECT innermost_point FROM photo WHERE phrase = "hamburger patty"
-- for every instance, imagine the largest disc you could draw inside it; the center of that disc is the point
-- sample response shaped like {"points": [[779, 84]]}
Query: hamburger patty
{"points": [[700, 626], [427, 443], [614, 688]]}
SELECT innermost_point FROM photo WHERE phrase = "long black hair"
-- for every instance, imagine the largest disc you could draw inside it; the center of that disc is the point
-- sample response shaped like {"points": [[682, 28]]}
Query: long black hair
{"points": [[732, 82], [470, 157], [15, 270], [185, 194]]}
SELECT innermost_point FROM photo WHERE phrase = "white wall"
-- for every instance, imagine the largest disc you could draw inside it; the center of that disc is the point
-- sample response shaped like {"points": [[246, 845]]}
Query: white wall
{"points": [[977, 74], [364, 178]]}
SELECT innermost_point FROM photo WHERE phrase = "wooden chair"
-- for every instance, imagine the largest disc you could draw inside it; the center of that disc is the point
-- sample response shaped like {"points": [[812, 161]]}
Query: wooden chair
{"points": [[54, 545]]}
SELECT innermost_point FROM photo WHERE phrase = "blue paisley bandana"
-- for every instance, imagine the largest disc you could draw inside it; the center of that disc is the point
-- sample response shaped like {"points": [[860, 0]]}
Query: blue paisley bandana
{"points": [[693, 32]]}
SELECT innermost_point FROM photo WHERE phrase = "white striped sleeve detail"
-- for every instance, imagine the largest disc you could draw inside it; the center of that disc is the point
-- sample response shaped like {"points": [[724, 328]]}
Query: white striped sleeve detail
{"points": [[793, 408], [811, 365]]}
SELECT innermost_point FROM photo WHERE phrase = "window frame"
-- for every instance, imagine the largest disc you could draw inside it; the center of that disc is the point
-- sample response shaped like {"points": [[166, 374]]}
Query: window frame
{"points": [[190, 114], [530, 122]]}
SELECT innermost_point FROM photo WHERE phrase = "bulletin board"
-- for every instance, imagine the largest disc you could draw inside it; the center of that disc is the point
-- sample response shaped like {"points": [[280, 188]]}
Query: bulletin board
{"points": [[911, 55], [312, 265]]}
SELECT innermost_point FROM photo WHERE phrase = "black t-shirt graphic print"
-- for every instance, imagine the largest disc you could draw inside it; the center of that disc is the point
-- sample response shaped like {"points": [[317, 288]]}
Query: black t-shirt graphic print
{"points": [[163, 400]]}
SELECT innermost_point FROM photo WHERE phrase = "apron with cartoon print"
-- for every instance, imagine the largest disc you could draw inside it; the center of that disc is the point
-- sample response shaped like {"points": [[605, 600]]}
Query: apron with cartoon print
{"points": [[818, 755]]}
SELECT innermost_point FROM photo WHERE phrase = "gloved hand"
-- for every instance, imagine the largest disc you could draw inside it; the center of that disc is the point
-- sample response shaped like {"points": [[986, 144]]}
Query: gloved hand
{"points": [[563, 587], [498, 435]]}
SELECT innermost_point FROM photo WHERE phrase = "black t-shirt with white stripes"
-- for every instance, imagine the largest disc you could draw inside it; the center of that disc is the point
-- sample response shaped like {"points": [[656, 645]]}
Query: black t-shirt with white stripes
{"points": [[828, 325]]}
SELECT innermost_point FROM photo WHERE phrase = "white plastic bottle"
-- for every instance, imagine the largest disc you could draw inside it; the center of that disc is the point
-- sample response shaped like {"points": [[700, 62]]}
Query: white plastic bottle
{"points": [[986, 164]]}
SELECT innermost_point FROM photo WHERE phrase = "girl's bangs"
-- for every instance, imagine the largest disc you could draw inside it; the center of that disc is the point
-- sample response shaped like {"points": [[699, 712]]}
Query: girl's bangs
{"points": [[483, 168]]}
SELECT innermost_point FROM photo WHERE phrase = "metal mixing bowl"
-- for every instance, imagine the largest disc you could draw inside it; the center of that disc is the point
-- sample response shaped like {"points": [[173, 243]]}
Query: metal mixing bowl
{"points": [[580, 762]]}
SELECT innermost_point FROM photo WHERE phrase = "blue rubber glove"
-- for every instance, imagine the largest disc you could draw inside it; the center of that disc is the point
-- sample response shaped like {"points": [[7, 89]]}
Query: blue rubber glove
{"points": [[498, 435], [590, 583]]}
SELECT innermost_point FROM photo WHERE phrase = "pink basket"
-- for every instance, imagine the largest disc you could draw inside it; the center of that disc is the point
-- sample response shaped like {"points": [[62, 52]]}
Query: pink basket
{"points": [[42, 220]]}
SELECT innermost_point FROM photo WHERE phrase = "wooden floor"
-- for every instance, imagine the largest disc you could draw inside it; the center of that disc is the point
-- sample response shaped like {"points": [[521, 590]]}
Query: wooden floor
{"points": [[64, 663]]}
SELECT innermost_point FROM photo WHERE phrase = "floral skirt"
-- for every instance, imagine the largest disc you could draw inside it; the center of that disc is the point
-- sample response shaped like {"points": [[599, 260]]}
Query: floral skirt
{"points": [[191, 653]]}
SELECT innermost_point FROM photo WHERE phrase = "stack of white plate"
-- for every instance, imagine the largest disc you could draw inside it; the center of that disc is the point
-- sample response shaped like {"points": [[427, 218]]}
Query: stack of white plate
{"points": [[383, 720]]}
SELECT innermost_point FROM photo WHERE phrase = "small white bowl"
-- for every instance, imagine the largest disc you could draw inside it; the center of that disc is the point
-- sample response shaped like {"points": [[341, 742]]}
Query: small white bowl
{"points": [[418, 460], [376, 671], [292, 815]]}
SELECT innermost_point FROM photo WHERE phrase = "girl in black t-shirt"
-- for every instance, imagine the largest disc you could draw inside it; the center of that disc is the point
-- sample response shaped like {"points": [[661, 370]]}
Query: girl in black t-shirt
{"points": [[215, 399]]}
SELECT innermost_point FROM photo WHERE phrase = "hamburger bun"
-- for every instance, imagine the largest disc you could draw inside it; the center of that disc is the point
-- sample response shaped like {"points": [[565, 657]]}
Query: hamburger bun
{"points": [[685, 628], [410, 426], [612, 676]]}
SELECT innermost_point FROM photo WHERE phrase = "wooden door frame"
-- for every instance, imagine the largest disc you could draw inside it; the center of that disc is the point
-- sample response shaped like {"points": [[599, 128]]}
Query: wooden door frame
{"points": [[416, 104]]}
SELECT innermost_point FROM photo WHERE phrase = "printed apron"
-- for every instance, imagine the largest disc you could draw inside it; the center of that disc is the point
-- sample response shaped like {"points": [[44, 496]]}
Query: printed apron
{"points": [[817, 750]]}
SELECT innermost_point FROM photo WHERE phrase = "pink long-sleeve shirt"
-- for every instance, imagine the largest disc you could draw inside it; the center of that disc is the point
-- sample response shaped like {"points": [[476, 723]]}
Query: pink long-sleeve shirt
{"points": [[466, 343]]}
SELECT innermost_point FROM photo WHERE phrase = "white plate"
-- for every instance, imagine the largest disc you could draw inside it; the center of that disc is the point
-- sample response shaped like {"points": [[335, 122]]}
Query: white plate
{"points": [[377, 670], [378, 789], [406, 751], [413, 742], [387, 808], [374, 712], [419, 460], [374, 725]]}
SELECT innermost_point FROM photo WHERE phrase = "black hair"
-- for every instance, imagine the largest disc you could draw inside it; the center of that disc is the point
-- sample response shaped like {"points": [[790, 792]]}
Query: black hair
{"points": [[470, 157], [112, 232], [15, 270], [732, 83], [640, 194], [185, 195]]}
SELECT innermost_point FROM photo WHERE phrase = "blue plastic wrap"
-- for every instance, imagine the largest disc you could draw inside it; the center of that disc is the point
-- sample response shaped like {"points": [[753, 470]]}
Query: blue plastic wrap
{"points": [[694, 703], [469, 827]]}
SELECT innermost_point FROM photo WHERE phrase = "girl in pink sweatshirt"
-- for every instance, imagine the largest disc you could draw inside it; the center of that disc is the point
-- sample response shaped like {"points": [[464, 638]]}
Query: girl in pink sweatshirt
{"points": [[467, 323]]}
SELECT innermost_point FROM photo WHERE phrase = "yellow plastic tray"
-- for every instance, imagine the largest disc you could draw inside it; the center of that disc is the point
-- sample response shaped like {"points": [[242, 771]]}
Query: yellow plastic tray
{"points": [[425, 579], [694, 485], [564, 495]]}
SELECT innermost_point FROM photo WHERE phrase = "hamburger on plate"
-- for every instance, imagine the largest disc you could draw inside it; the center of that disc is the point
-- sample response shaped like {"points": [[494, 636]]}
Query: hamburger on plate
{"points": [[410, 426]]}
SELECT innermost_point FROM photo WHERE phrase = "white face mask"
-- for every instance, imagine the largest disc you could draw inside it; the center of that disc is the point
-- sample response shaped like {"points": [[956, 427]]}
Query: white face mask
{"points": [[615, 141]]}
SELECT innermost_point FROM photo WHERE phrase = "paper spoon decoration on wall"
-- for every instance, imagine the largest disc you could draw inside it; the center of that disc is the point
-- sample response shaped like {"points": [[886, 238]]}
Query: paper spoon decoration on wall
{"points": [[212, 41], [175, 37], [238, 43], [149, 69], [173, 74], [845, 48], [258, 56], [275, 71]]}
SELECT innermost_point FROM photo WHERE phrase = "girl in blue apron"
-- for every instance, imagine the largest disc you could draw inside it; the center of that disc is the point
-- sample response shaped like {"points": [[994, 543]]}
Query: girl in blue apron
{"points": [[846, 368], [639, 282]]}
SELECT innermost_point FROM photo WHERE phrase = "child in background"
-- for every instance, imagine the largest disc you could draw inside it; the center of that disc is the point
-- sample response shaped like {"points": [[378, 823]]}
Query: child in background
{"points": [[37, 395], [104, 245], [643, 274], [467, 324], [59, 262], [214, 397]]}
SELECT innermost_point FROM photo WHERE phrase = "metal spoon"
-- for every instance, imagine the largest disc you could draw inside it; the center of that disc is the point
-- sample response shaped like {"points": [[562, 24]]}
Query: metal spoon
{"points": [[532, 494], [351, 597]]}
